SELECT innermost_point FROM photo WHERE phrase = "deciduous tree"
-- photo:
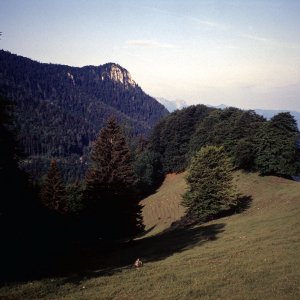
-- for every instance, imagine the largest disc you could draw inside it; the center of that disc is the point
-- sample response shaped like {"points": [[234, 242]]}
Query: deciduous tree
{"points": [[277, 151]]}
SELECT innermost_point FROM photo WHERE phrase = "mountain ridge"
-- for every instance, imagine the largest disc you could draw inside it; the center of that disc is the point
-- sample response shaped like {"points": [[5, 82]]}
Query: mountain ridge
{"points": [[60, 109]]}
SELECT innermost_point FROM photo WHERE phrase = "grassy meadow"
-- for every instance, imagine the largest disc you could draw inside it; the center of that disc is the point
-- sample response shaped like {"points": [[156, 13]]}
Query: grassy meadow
{"points": [[253, 254]]}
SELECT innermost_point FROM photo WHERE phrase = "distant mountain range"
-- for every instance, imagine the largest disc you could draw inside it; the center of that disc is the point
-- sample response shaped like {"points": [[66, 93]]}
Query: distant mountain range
{"points": [[59, 109], [172, 105]]}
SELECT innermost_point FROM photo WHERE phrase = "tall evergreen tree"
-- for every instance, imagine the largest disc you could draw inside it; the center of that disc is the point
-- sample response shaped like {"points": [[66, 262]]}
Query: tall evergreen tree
{"points": [[15, 187], [18, 211], [53, 192], [210, 183], [110, 183]]}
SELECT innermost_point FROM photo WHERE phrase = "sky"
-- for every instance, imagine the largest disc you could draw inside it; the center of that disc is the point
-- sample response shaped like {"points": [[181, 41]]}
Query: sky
{"points": [[236, 52]]}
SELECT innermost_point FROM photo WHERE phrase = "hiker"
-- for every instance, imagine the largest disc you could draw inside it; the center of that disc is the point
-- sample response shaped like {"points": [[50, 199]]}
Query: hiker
{"points": [[138, 263]]}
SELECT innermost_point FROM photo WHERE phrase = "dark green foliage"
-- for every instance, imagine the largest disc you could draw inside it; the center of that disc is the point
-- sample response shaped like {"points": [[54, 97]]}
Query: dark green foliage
{"points": [[244, 155], [210, 183], [71, 167], [226, 127], [60, 109], [251, 142], [53, 192], [15, 185], [18, 200], [276, 146], [285, 121], [171, 137], [75, 197], [177, 137], [110, 183], [148, 169]]}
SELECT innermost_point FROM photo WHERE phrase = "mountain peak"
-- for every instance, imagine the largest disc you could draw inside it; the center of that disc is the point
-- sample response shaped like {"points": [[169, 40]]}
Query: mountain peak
{"points": [[118, 74]]}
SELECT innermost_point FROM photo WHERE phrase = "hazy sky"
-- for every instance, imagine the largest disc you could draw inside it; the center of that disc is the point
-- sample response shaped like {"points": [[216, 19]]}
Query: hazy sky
{"points": [[241, 53]]}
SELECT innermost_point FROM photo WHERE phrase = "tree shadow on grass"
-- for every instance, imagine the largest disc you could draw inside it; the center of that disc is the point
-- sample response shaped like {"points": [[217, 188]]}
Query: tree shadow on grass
{"points": [[243, 203], [85, 260], [150, 249], [169, 242], [103, 258]]}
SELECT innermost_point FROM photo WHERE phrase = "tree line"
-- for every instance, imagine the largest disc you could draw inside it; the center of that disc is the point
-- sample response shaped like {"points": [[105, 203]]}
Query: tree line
{"points": [[252, 143]]}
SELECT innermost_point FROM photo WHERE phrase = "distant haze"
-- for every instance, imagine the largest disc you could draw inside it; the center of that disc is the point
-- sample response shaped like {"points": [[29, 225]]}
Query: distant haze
{"points": [[172, 105], [243, 53]]}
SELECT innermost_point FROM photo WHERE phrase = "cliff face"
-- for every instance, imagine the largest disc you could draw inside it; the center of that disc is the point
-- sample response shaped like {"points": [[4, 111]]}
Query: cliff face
{"points": [[118, 74]]}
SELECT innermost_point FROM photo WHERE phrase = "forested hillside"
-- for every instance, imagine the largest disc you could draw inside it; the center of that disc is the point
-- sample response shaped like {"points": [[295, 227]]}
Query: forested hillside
{"points": [[251, 142], [60, 109]]}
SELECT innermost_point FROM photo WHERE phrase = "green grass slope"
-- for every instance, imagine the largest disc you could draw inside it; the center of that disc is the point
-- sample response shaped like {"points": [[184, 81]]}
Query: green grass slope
{"points": [[164, 207], [251, 255]]}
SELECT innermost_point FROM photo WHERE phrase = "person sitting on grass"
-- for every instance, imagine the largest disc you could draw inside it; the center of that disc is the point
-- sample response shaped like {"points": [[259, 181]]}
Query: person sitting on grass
{"points": [[138, 263]]}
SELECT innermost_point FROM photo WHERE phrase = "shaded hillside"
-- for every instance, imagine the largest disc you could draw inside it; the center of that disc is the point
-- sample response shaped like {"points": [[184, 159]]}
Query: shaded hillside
{"points": [[60, 109]]}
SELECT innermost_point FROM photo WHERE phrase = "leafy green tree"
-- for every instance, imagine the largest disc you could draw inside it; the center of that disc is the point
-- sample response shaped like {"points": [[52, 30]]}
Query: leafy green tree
{"points": [[171, 136], [147, 166], [276, 146], [210, 183], [53, 192], [110, 183], [285, 121], [227, 128], [244, 154]]}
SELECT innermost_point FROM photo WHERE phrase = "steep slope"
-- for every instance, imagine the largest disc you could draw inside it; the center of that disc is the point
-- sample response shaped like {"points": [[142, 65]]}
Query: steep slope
{"points": [[251, 255], [163, 208], [60, 109]]}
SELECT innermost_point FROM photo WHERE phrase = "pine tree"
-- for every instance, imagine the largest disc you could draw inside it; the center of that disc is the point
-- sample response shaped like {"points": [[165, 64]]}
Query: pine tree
{"points": [[110, 183], [53, 192], [210, 186], [18, 210], [14, 183]]}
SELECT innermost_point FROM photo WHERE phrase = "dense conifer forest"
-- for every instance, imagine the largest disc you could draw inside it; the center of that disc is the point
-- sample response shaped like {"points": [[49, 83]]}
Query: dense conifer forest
{"points": [[59, 109]]}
